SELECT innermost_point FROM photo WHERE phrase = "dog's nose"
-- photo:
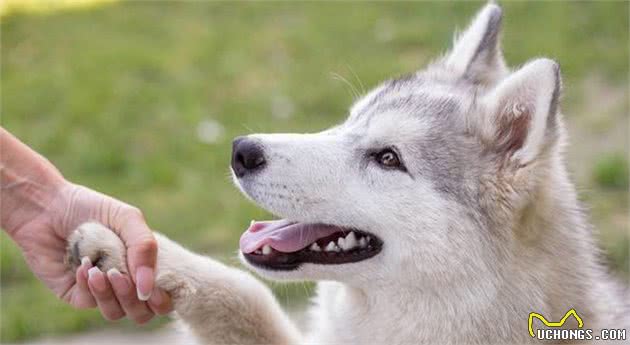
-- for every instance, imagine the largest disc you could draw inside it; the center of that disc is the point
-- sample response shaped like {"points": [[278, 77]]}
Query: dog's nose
{"points": [[247, 156]]}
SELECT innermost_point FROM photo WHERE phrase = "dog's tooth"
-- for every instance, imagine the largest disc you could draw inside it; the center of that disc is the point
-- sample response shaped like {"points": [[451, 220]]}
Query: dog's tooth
{"points": [[351, 235], [342, 243], [362, 242], [350, 241], [330, 247], [266, 250], [258, 252], [315, 247]]}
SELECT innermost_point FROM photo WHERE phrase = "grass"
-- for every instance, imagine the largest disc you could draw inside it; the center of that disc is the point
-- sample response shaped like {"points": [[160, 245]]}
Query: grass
{"points": [[114, 96]]}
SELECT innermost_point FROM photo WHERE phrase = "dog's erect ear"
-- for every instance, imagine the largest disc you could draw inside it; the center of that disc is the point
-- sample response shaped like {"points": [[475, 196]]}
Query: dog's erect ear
{"points": [[521, 113], [476, 53]]}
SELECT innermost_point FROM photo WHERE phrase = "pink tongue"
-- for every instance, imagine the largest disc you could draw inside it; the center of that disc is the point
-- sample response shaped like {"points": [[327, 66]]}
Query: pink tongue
{"points": [[283, 235]]}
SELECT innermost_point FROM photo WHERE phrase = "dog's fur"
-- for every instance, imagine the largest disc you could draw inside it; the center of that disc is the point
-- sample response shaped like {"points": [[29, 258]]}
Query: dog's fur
{"points": [[483, 228]]}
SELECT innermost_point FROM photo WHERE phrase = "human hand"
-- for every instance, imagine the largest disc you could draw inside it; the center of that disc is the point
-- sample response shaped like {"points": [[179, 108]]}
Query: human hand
{"points": [[43, 240]]}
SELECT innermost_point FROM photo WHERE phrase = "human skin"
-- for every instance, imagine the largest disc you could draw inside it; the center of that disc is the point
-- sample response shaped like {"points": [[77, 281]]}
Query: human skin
{"points": [[39, 209]]}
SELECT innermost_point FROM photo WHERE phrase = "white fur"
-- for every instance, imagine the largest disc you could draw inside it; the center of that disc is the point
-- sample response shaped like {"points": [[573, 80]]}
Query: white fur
{"points": [[464, 56]]}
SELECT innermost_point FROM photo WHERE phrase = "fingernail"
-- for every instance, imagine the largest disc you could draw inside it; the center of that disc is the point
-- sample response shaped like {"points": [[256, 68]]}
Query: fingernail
{"points": [[92, 272], [113, 273], [144, 282], [156, 298], [85, 261], [96, 279], [119, 283]]}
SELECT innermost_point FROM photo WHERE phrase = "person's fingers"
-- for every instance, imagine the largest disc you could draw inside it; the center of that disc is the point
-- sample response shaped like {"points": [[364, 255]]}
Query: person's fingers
{"points": [[102, 292], [83, 297], [126, 296], [141, 252], [160, 302]]}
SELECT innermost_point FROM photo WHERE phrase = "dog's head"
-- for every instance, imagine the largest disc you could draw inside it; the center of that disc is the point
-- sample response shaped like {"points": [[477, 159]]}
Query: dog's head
{"points": [[419, 177]]}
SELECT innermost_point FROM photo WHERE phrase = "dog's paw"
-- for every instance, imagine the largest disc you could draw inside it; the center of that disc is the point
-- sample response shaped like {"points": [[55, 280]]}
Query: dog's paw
{"points": [[98, 243]]}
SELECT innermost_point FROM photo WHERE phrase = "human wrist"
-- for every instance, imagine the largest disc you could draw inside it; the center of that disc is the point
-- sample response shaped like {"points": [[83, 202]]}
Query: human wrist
{"points": [[28, 183], [25, 199]]}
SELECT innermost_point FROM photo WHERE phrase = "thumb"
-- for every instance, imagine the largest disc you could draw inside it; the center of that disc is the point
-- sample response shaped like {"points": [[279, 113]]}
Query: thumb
{"points": [[141, 252]]}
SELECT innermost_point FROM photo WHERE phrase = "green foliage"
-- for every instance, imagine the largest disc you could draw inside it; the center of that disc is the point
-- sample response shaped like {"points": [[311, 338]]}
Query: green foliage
{"points": [[612, 172], [113, 96]]}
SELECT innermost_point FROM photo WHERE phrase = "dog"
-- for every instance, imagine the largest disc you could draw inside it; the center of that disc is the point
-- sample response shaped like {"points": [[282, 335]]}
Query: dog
{"points": [[439, 212]]}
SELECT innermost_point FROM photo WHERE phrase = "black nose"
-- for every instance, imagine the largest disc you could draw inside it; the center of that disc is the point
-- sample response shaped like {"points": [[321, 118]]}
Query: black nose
{"points": [[247, 156]]}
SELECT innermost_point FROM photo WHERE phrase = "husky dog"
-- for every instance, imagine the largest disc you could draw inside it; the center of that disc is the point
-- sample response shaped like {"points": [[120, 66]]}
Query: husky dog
{"points": [[439, 212]]}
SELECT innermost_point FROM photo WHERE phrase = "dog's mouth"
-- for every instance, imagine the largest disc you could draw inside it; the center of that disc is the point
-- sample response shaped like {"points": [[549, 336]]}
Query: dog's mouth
{"points": [[285, 245]]}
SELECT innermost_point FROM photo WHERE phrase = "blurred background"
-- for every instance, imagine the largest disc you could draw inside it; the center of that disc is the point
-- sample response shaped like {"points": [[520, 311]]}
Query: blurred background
{"points": [[140, 100]]}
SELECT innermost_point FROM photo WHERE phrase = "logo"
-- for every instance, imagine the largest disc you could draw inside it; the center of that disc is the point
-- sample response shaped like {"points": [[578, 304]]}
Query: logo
{"points": [[553, 324], [554, 331]]}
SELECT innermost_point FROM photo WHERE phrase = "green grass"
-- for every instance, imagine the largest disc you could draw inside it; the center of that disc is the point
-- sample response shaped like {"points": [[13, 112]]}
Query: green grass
{"points": [[113, 96]]}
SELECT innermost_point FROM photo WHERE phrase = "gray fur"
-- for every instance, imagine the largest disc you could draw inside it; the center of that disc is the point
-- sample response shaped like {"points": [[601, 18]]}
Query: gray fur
{"points": [[487, 52]]}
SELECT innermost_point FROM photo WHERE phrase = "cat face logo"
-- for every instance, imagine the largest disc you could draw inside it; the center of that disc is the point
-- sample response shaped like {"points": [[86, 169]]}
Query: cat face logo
{"points": [[553, 324]]}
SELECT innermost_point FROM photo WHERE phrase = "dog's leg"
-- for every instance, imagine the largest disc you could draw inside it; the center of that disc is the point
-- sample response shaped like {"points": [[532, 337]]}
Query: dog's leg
{"points": [[220, 304]]}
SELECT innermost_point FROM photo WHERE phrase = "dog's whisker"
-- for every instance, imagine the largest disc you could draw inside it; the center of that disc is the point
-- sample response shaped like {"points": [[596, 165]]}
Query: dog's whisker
{"points": [[356, 77], [353, 91], [247, 128]]}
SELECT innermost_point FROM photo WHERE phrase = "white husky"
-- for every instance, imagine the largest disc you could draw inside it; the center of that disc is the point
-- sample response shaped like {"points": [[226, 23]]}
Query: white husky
{"points": [[439, 212]]}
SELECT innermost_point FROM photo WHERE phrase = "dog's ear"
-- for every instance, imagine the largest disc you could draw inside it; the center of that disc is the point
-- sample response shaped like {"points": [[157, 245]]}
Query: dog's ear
{"points": [[476, 53], [521, 113]]}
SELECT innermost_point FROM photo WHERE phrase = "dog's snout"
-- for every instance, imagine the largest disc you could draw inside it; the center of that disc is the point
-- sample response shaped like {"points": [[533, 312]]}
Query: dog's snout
{"points": [[247, 156]]}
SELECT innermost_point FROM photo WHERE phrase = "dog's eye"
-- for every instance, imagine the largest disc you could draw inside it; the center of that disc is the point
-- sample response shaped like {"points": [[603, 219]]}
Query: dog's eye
{"points": [[388, 158]]}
